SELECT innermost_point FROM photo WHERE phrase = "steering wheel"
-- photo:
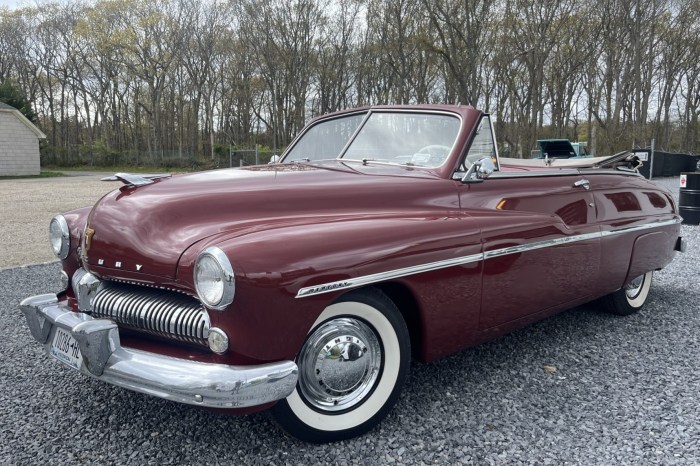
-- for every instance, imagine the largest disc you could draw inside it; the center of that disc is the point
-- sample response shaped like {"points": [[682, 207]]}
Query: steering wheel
{"points": [[437, 153]]}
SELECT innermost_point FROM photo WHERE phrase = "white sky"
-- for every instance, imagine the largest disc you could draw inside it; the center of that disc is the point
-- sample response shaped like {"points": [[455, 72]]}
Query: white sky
{"points": [[11, 3]]}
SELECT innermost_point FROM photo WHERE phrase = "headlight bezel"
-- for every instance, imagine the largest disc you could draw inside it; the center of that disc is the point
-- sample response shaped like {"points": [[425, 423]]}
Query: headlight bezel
{"points": [[226, 276], [64, 231]]}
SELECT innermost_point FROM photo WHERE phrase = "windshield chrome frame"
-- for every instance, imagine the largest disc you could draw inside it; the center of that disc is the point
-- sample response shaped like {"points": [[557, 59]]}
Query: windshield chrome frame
{"points": [[325, 120], [403, 110], [495, 143], [457, 174], [369, 111]]}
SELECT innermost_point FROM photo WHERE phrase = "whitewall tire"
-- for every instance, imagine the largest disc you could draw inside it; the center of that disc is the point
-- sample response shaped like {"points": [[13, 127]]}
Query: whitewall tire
{"points": [[352, 367], [630, 298]]}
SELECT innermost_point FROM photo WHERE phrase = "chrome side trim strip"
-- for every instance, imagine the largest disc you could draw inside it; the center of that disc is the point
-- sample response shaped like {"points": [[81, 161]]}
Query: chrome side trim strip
{"points": [[532, 174], [378, 277], [646, 226], [429, 267], [540, 245]]}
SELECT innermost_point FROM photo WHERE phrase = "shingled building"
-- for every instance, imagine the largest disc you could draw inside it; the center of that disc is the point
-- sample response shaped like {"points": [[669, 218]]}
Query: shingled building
{"points": [[19, 143]]}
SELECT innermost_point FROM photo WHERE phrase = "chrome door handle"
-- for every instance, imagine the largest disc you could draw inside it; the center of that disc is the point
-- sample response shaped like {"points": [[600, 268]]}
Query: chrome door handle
{"points": [[585, 183]]}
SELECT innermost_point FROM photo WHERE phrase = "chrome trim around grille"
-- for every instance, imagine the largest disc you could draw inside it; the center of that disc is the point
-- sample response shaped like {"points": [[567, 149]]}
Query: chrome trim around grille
{"points": [[157, 312], [355, 282], [181, 380], [85, 287]]}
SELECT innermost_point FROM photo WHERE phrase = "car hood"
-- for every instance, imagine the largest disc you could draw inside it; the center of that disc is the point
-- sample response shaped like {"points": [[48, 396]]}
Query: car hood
{"points": [[146, 229]]}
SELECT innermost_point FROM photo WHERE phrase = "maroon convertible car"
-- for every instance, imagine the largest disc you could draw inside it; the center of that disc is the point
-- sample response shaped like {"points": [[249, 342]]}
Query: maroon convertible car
{"points": [[306, 286]]}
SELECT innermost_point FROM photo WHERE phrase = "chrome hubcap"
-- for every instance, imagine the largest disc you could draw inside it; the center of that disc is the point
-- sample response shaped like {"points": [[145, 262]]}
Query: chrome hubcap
{"points": [[633, 288], [339, 364]]}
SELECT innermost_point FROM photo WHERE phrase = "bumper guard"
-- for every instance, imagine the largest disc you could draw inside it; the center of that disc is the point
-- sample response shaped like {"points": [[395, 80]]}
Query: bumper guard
{"points": [[190, 382]]}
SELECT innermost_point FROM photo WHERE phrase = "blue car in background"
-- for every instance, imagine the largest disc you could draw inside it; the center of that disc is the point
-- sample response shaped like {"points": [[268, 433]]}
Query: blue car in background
{"points": [[560, 149]]}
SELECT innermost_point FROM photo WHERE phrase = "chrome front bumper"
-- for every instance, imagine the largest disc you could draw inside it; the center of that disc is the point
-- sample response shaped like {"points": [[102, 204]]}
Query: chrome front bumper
{"points": [[184, 381]]}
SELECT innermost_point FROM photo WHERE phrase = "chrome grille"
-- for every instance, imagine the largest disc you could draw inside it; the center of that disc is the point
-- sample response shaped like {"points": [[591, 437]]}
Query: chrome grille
{"points": [[158, 312]]}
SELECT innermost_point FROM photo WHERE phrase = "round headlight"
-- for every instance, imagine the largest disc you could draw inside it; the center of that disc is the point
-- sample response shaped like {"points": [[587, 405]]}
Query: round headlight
{"points": [[65, 281], [59, 236], [214, 278]]}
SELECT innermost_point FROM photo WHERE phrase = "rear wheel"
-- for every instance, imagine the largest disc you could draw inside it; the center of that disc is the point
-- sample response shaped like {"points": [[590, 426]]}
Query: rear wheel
{"points": [[352, 367], [630, 298]]}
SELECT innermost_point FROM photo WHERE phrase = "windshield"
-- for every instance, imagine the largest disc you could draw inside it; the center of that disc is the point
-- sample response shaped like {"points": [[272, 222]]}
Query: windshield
{"points": [[420, 139], [325, 140], [404, 138]]}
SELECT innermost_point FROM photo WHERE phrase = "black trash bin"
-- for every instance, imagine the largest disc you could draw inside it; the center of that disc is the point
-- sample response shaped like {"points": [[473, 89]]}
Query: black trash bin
{"points": [[689, 199]]}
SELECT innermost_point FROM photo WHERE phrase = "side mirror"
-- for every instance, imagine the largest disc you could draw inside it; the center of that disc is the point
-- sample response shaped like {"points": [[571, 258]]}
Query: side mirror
{"points": [[274, 159], [479, 171]]}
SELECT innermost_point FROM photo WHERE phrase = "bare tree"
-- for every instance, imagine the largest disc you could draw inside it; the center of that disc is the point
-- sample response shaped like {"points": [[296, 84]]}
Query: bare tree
{"points": [[281, 34], [464, 32], [140, 80], [337, 59]]}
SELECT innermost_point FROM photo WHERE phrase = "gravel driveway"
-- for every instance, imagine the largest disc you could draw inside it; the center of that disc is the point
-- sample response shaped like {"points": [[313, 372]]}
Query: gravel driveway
{"points": [[625, 392], [28, 205]]}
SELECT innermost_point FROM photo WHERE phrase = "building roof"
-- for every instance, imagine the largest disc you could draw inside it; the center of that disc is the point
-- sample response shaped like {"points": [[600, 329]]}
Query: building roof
{"points": [[10, 109]]}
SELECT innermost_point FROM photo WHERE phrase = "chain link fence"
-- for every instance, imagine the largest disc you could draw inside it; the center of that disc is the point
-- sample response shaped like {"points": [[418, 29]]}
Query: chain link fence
{"points": [[246, 157], [85, 156]]}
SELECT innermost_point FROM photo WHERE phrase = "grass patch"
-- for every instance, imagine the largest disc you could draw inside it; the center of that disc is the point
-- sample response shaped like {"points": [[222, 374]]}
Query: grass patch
{"points": [[120, 169], [43, 174]]}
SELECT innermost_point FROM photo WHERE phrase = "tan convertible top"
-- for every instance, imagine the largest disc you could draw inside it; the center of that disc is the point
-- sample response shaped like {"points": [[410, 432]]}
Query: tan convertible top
{"points": [[552, 162], [622, 159]]}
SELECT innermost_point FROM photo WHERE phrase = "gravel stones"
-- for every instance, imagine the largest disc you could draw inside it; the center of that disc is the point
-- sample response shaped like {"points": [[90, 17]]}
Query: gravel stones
{"points": [[28, 205], [624, 391]]}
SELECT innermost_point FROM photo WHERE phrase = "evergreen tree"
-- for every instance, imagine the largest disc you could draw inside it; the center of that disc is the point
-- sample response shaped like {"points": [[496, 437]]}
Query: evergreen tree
{"points": [[12, 95]]}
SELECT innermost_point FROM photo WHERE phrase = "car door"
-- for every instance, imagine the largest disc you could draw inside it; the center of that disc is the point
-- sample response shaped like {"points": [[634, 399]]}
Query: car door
{"points": [[540, 239]]}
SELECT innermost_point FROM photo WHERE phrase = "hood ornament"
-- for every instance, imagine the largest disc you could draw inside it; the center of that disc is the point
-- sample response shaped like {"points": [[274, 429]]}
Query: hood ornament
{"points": [[130, 179], [87, 241]]}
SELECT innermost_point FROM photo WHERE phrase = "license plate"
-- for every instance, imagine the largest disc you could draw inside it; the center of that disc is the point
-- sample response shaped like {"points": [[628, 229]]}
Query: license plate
{"points": [[66, 349]]}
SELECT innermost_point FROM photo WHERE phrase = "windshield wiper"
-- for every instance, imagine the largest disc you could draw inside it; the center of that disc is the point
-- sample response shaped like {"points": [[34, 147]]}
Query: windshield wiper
{"points": [[307, 160], [367, 161]]}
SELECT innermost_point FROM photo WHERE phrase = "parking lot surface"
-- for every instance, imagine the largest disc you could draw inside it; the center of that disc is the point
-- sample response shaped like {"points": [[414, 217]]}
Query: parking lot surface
{"points": [[624, 391], [28, 205]]}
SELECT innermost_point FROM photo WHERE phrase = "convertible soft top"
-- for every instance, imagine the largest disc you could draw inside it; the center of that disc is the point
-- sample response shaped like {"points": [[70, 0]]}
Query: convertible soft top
{"points": [[625, 160]]}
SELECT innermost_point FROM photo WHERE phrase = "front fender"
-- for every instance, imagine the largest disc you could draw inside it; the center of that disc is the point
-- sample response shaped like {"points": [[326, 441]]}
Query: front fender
{"points": [[267, 321], [76, 220]]}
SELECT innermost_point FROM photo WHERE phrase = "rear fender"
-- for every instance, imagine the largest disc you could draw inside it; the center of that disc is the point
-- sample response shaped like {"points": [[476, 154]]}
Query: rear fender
{"points": [[651, 251]]}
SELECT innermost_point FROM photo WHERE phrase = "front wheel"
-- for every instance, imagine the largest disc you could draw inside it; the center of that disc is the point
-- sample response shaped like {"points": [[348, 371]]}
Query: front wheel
{"points": [[630, 298], [352, 367]]}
